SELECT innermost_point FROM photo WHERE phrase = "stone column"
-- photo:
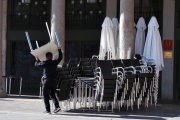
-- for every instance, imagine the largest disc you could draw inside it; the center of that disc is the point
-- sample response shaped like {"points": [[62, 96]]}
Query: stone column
{"points": [[111, 8], [58, 23], [168, 34], [126, 28], [3, 31]]}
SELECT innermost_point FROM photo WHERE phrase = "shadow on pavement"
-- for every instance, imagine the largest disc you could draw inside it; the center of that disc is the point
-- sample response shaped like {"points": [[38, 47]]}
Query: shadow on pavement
{"points": [[166, 109], [23, 97]]}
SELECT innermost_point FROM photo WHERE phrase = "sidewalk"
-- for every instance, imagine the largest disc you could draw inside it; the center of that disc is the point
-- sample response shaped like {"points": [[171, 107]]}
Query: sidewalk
{"points": [[31, 108]]}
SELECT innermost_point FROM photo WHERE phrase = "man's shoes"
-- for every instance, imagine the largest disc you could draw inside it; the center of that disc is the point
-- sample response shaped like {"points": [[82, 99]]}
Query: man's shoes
{"points": [[57, 110], [47, 112]]}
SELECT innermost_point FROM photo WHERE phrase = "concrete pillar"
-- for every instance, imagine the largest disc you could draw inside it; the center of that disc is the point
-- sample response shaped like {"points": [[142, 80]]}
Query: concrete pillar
{"points": [[168, 34], [111, 8], [126, 30], [3, 31], [58, 23]]}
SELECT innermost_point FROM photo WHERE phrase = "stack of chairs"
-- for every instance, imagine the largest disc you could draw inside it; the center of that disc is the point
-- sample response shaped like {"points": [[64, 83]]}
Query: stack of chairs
{"points": [[65, 82], [71, 71], [151, 63], [85, 87], [106, 84], [64, 92], [119, 83], [137, 82]]}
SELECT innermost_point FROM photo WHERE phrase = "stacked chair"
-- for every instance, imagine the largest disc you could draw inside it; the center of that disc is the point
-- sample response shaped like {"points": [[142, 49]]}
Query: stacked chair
{"points": [[106, 84], [70, 72], [103, 83]]}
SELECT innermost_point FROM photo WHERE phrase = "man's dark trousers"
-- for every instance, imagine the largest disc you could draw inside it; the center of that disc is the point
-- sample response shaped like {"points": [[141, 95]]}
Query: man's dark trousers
{"points": [[49, 91]]}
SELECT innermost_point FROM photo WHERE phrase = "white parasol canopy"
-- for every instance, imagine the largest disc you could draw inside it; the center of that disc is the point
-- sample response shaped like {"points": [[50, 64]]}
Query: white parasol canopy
{"points": [[140, 36], [116, 35], [153, 45], [107, 40], [134, 30]]}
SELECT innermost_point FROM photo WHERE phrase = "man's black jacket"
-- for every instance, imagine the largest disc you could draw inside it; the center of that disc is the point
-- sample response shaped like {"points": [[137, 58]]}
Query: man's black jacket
{"points": [[49, 67]]}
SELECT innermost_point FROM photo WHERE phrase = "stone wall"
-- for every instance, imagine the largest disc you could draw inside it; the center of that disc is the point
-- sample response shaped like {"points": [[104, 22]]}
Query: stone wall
{"points": [[3, 39], [168, 34], [111, 8]]}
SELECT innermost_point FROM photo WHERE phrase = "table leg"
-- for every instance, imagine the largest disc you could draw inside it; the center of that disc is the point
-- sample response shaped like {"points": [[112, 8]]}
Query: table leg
{"points": [[79, 95], [85, 99], [9, 86], [82, 93], [40, 92], [20, 86], [6, 85], [89, 97]]}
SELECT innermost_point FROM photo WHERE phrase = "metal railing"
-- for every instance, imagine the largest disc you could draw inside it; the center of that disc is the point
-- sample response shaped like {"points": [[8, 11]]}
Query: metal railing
{"points": [[84, 21], [28, 21]]}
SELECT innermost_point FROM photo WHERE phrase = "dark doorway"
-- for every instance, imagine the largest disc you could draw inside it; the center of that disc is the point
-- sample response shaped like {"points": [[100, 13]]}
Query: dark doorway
{"points": [[23, 65], [90, 50]]}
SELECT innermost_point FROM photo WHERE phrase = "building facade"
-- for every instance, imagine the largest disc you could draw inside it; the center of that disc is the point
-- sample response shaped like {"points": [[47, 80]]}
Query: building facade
{"points": [[78, 24]]}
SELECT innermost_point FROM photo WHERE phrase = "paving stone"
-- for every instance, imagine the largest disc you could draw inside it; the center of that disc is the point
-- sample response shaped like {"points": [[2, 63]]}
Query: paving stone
{"points": [[31, 108]]}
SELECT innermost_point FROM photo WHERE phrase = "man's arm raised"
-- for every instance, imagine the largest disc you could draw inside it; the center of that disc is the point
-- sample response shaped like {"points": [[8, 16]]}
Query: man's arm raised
{"points": [[60, 55], [38, 62]]}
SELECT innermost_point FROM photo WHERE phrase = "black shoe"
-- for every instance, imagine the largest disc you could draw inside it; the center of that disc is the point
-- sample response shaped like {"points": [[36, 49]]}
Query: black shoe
{"points": [[47, 112], [57, 110]]}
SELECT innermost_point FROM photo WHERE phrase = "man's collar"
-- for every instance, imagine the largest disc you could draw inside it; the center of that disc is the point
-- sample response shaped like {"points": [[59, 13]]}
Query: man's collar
{"points": [[49, 60]]}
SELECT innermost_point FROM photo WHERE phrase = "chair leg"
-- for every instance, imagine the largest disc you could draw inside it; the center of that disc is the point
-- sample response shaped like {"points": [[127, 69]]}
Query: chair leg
{"points": [[75, 97], [106, 105], [89, 97], [151, 98], [131, 104], [79, 92], [138, 103], [121, 101], [69, 102], [40, 93], [127, 104], [74, 104], [82, 92], [112, 104], [119, 104], [94, 105], [85, 96], [52, 105], [98, 108], [60, 104], [93, 98], [66, 104]]}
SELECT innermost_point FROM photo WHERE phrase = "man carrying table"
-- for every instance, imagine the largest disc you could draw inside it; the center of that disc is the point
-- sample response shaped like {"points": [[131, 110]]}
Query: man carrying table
{"points": [[50, 79]]}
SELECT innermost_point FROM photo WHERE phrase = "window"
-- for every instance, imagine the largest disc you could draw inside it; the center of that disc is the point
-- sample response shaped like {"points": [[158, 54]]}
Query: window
{"points": [[84, 14], [178, 14], [29, 16], [146, 9]]}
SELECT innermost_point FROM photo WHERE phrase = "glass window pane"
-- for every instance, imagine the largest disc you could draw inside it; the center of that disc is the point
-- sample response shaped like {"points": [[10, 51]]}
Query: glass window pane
{"points": [[136, 3], [145, 3], [155, 3]]}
